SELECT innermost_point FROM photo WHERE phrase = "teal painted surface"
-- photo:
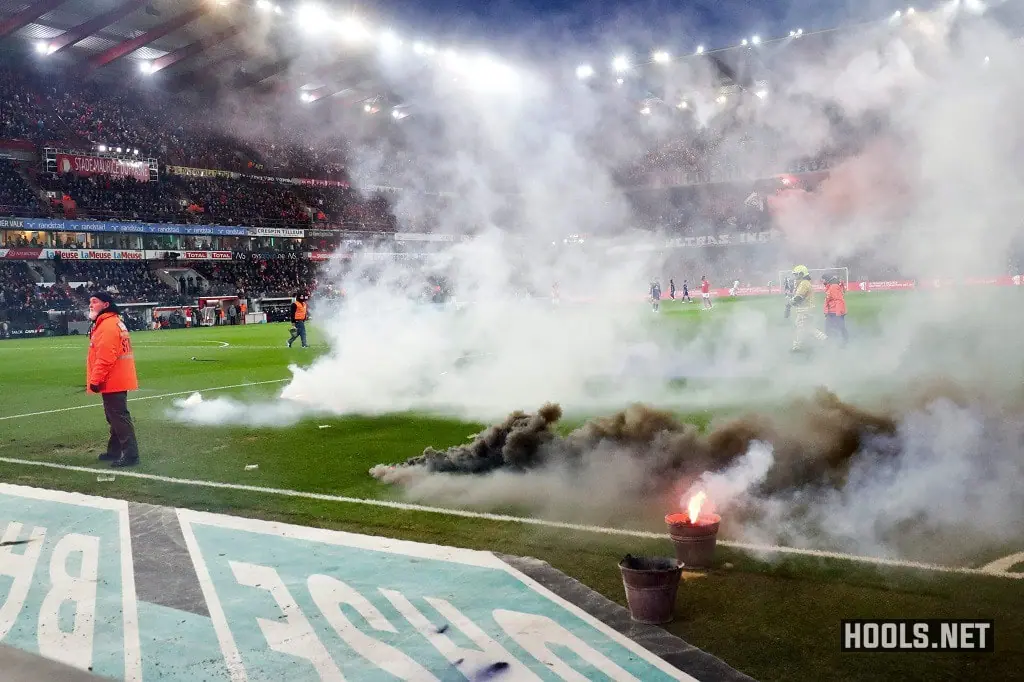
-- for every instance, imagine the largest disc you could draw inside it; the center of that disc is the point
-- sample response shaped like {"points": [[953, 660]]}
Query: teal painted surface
{"points": [[179, 646], [475, 591], [105, 652], [244, 565]]}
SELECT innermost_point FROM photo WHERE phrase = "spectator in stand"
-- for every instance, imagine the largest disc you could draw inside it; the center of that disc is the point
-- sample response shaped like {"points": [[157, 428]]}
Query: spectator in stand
{"points": [[130, 282], [257, 279], [16, 197]]}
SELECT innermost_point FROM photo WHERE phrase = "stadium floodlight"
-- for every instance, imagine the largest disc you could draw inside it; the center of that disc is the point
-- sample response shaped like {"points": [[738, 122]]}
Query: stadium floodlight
{"points": [[986, 59], [118, 150], [897, 14], [264, 5], [147, 68], [352, 29], [389, 40], [419, 48], [452, 59], [744, 43], [278, 10], [756, 40], [584, 71], [661, 56], [683, 104], [761, 94], [312, 18], [792, 34], [619, 81], [646, 111], [700, 49], [910, 11], [620, 63], [102, 149], [799, 32], [721, 99], [488, 74], [42, 47], [367, 108], [306, 97]]}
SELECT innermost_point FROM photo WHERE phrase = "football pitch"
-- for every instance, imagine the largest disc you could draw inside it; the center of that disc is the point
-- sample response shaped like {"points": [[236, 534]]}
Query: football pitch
{"points": [[773, 617]]}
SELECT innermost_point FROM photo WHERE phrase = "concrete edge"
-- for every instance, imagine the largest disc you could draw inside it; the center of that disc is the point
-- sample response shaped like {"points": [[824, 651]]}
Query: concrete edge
{"points": [[21, 666], [686, 657]]}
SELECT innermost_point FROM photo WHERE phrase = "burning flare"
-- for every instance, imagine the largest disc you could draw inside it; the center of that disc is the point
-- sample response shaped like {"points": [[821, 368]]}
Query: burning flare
{"points": [[694, 505]]}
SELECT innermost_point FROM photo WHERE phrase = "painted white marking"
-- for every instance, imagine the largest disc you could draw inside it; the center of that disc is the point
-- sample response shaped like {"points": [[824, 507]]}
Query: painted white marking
{"points": [[484, 650], [329, 594], [147, 397], [72, 648], [505, 518], [129, 603], [232, 656], [536, 634], [291, 633], [132, 649], [1004, 564], [20, 568]]}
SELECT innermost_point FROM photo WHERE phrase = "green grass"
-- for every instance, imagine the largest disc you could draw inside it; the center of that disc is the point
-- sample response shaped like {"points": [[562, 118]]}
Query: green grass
{"points": [[774, 621]]}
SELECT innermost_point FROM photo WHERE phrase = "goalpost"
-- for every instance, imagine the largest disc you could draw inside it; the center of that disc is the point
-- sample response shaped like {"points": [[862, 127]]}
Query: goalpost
{"points": [[817, 275]]}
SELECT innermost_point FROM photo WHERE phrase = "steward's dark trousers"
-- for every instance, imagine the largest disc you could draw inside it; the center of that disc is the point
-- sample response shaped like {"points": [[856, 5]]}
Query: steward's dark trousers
{"points": [[300, 332], [835, 327], [122, 443]]}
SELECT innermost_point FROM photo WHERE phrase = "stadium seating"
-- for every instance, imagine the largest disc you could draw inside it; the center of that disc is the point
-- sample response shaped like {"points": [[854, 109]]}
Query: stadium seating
{"points": [[16, 196], [714, 166], [256, 279]]}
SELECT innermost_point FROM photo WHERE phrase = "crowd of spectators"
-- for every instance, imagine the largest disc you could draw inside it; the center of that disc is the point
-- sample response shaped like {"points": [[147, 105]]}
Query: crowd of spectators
{"points": [[129, 282], [63, 110], [24, 305], [106, 198], [16, 196], [259, 278], [228, 201]]}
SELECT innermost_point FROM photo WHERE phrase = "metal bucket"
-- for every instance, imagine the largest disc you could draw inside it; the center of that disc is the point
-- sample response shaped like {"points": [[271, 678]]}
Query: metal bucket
{"points": [[651, 586], [694, 542]]}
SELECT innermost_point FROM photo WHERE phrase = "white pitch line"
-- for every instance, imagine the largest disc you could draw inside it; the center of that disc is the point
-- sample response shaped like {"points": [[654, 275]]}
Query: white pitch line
{"points": [[147, 397], [1005, 564], [505, 518]]}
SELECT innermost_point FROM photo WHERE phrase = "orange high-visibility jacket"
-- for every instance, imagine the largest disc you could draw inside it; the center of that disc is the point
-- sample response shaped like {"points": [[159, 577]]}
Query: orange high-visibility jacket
{"points": [[111, 363], [835, 301]]}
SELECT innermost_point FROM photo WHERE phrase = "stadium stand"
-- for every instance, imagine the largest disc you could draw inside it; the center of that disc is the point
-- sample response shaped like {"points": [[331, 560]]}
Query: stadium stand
{"points": [[130, 282], [16, 196], [711, 182], [259, 278]]}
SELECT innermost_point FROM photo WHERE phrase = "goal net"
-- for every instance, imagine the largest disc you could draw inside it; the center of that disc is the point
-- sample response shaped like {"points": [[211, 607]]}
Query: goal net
{"points": [[817, 277]]}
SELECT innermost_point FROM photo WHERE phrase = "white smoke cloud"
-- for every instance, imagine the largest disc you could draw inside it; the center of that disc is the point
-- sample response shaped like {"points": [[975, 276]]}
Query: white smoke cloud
{"points": [[937, 489], [201, 411], [931, 188]]}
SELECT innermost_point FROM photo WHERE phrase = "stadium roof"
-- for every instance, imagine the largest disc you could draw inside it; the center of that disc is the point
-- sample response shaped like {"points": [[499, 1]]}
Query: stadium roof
{"points": [[259, 43], [187, 42]]}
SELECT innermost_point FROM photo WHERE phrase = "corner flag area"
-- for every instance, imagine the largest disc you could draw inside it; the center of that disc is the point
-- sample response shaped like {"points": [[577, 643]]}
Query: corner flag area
{"points": [[259, 553]]}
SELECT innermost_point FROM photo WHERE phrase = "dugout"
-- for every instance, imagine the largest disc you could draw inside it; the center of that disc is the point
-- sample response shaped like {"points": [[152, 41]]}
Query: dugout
{"points": [[216, 310]]}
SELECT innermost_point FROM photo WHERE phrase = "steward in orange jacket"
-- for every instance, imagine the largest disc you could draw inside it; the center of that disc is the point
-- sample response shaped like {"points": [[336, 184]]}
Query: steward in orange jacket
{"points": [[835, 309], [110, 371]]}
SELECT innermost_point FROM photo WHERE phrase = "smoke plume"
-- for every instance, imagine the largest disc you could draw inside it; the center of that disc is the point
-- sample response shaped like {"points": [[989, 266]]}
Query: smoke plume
{"points": [[546, 205], [817, 472]]}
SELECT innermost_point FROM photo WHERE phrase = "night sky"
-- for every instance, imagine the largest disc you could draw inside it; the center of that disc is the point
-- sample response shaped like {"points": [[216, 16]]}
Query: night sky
{"points": [[639, 25]]}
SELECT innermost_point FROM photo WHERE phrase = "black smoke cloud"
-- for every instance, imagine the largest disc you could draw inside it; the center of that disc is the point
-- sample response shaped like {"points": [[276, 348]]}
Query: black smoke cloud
{"points": [[896, 478]]}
